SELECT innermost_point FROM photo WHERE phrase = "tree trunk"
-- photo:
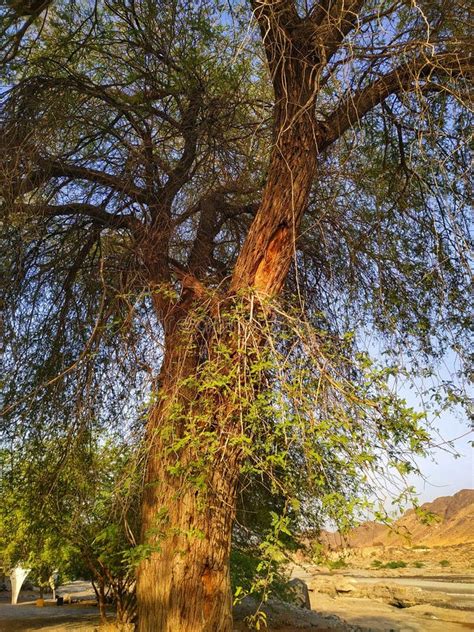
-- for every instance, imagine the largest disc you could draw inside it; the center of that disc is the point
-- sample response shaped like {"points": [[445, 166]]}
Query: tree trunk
{"points": [[188, 509], [102, 609], [183, 585]]}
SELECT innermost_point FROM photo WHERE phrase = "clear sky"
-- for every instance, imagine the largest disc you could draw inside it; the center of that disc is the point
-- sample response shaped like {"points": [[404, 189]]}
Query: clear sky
{"points": [[450, 468], [446, 474]]}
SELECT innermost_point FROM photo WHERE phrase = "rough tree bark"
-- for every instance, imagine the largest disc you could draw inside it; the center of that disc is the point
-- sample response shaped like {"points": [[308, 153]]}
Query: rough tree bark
{"points": [[184, 582], [185, 585]]}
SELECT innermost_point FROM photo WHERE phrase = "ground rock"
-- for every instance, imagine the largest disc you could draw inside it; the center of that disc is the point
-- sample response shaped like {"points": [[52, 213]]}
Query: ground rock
{"points": [[344, 585], [324, 585], [398, 596], [280, 614], [392, 594], [300, 592]]}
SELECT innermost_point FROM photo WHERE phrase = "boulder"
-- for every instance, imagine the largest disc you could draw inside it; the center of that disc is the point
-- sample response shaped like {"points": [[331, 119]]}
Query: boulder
{"points": [[398, 596], [325, 586], [287, 616], [300, 593], [344, 585]]}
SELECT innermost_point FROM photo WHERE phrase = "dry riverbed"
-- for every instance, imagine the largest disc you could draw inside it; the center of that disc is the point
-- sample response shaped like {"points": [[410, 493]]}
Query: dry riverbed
{"points": [[385, 603], [339, 602]]}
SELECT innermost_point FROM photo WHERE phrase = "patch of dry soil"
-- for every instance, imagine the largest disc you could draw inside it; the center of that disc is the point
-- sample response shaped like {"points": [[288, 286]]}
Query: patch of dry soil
{"points": [[27, 617], [381, 617]]}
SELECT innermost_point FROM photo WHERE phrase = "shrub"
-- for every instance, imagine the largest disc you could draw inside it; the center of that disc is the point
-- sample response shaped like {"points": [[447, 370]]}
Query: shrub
{"points": [[395, 564], [376, 564], [418, 564], [340, 563], [445, 563]]}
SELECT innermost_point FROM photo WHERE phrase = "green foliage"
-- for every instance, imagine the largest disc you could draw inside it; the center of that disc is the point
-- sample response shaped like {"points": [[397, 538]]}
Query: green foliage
{"points": [[394, 564], [72, 517], [418, 564], [119, 126], [427, 517], [310, 437], [445, 563], [243, 568], [337, 564]]}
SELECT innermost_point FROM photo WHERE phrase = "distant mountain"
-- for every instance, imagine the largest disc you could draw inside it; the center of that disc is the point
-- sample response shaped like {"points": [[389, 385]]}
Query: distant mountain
{"points": [[455, 525]]}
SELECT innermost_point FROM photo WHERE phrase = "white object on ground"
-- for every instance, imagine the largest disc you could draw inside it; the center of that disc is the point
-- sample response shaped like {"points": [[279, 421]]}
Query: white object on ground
{"points": [[17, 577]]}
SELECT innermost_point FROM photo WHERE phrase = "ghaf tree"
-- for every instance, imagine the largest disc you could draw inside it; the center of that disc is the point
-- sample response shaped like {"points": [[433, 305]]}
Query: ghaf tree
{"points": [[167, 165]]}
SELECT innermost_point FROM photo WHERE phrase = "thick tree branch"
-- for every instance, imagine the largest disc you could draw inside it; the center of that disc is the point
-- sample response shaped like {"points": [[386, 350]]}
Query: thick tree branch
{"points": [[313, 40], [48, 169], [190, 283], [406, 77], [276, 18], [95, 213], [199, 257], [331, 23], [190, 132]]}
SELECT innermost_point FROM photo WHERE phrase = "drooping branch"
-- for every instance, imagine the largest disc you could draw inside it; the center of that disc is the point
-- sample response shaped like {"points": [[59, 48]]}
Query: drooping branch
{"points": [[58, 168], [28, 7], [19, 9], [68, 285]]}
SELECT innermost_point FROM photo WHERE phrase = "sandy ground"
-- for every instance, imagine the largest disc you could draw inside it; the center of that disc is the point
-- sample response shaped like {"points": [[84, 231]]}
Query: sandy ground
{"points": [[382, 617], [83, 616], [26, 617], [368, 614]]}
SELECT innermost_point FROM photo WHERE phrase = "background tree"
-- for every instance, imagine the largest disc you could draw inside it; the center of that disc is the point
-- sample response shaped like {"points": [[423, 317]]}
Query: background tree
{"points": [[79, 518], [167, 171]]}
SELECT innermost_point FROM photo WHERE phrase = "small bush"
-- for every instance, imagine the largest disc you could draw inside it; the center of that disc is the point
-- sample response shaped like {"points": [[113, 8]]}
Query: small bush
{"points": [[395, 564], [376, 564], [445, 563], [333, 565], [418, 564]]}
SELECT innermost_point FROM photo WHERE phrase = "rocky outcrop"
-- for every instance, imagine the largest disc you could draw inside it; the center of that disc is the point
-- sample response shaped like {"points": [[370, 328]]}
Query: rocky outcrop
{"points": [[279, 614], [394, 595]]}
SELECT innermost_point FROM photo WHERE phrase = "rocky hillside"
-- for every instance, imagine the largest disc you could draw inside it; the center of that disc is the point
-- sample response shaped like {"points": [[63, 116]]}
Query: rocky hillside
{"points": [[455, 525]]}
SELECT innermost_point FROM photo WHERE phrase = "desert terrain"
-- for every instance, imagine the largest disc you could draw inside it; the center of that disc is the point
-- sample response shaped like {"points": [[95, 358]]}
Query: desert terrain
{"points": [[411, 578]]}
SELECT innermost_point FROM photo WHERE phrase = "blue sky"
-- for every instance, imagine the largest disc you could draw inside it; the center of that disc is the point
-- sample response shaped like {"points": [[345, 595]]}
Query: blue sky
{"points": [[450, 468], [446, 474]]}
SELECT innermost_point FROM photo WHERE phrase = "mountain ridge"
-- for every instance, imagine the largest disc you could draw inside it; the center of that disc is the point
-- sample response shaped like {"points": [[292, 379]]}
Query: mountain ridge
{"points": [[454, 525]]}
